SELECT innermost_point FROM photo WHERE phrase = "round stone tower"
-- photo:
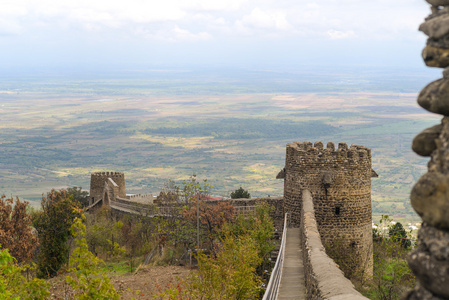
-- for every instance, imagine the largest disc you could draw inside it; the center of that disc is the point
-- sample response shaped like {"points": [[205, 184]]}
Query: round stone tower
{"points": [[340, 184], [98, 180]]}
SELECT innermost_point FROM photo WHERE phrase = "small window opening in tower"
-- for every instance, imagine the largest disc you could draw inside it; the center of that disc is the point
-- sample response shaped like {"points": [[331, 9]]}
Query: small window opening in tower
{"points": [[337, 210]]}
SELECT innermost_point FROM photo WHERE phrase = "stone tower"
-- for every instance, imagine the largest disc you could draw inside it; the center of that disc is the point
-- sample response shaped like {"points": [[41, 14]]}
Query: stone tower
{"points": [[98, 181], [340, 184]]}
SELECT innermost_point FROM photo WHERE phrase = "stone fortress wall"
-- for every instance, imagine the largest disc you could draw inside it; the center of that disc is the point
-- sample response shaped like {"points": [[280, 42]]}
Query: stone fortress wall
{"points": [[323, 278], [147, 198], [340, 184], [110, 188], [98, 180], [245, 206], [338, 181]]}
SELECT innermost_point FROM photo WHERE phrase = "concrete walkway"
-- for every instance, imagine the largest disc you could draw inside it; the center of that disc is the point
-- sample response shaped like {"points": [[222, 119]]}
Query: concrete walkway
{"points": [[292, 282]]}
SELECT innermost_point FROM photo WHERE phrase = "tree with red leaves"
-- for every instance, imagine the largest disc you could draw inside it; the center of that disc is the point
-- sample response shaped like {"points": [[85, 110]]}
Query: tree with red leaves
{"points": [[16, 233], [212, 216]]}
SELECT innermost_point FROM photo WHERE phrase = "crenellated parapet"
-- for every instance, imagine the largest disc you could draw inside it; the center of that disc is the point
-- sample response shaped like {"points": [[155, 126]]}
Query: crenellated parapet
{"points": [[115, 181], [318, 155], [339, 180], [108, 174]]}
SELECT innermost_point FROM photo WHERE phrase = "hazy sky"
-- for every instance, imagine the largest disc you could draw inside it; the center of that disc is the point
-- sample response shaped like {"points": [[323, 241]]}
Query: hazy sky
{"points": [[225, 32]]}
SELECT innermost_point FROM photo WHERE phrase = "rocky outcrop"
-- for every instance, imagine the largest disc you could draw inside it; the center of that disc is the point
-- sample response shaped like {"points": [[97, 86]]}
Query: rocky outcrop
{"points": [[430, 195]]}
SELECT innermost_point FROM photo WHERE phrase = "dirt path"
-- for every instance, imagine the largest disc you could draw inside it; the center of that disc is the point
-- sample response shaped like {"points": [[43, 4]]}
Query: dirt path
{"points": [[148, 281]]}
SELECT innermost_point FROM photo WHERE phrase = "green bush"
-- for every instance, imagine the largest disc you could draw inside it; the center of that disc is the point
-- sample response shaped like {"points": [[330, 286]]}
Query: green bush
{"points": [[53, 224], [13, 285], [244, 245], [86, 279], [391, 275], [397, 233], [240, 193]]}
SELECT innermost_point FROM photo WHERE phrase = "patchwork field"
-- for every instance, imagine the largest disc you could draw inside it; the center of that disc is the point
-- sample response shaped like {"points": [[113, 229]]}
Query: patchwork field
{"points": [[232, 131]]}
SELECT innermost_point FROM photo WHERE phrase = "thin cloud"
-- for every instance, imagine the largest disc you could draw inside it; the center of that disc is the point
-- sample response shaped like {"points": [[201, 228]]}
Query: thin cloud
{"points": [[266, 19], [377, 19], [338, 35], [172, 34], [183, 34], [67, 32]]}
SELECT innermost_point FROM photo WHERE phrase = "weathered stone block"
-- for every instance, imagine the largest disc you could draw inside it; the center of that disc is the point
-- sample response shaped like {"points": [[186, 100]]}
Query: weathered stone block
{"points": [[430, 199], [424, 143], [434, 97], [420, 293], [438, 2], [432, 273], [437, 27], [435, 241], [435, 57]]}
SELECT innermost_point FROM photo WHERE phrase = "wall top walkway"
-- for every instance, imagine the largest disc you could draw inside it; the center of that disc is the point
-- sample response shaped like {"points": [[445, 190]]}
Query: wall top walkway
{"points": [[292, 284], [324, 280]]}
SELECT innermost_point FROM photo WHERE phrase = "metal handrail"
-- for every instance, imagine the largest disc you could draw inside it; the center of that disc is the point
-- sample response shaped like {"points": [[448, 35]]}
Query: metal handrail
{"points": [[271, 293]]}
